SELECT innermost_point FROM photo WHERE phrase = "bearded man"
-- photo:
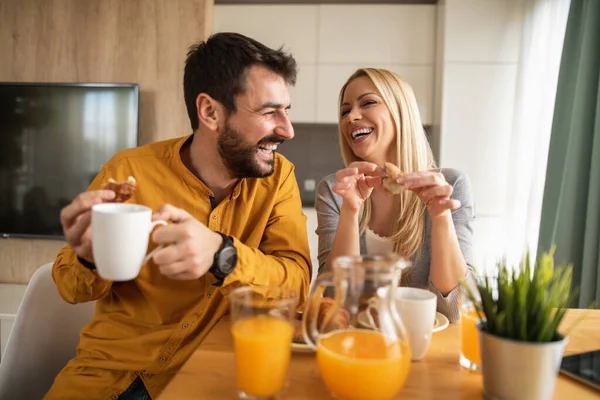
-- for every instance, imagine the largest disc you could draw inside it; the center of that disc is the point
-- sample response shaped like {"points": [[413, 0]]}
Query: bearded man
{"points": [[235, 219]]}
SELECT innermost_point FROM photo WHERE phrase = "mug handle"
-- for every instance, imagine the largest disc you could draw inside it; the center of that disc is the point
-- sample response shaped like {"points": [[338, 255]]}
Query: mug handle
{"points": [[311, 309], [373, 305], [160, 246]]}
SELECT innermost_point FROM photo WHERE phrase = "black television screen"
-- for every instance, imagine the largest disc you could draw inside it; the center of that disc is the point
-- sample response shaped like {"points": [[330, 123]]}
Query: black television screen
{"points": [[54, 138]]}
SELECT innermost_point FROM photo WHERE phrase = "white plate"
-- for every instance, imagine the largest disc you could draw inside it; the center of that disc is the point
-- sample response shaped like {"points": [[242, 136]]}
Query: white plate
{"points": [[301, 348], [440, 323]]}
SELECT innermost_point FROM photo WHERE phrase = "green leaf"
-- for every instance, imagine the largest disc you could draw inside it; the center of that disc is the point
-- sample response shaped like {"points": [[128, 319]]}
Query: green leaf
{"points": [[527, 302], [488, 305]]}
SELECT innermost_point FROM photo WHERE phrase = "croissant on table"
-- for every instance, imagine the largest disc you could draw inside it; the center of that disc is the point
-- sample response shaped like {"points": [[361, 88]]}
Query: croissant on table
{"points": [[339, 319], [332, 317]]}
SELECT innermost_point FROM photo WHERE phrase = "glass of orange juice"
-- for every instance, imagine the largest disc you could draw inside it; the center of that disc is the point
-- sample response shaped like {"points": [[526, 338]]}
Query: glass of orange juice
{"points": [[262, 328], [470, 355], [471, 314]]}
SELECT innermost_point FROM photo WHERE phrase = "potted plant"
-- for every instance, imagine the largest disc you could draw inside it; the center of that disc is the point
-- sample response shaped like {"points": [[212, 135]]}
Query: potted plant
{"points": [[519, 313]]}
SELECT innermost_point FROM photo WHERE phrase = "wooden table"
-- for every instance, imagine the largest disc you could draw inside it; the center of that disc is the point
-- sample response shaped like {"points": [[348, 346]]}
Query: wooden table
{"points": [[210, 371]]}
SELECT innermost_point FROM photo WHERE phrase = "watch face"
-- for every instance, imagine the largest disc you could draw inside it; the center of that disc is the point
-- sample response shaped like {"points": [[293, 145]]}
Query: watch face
{"points": [[228, 259]]}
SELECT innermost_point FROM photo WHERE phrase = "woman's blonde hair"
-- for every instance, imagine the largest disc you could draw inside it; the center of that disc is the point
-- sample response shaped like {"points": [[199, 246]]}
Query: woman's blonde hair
{"points": [[413, 154]]}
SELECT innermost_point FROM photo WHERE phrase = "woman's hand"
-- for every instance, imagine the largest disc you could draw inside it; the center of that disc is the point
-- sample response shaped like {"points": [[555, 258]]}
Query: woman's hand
{"points": [[354, 185], [432, 188]]}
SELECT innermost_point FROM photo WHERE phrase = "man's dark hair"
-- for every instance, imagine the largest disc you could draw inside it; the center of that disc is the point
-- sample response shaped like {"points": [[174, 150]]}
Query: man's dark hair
{"points": [[218, 67]]}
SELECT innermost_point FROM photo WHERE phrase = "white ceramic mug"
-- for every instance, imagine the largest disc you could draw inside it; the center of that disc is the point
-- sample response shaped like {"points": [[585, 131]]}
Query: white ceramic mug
{"points": [[120, 234], [417, 308]]}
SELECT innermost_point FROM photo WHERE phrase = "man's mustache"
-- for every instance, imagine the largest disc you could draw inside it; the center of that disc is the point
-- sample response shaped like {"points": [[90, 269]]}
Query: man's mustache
{"points": [[271, 139]]}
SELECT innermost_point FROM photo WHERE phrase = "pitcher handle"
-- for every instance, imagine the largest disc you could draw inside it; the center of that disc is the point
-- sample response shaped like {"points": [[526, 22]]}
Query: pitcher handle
{"points": [[310, 330], [372, 304]]}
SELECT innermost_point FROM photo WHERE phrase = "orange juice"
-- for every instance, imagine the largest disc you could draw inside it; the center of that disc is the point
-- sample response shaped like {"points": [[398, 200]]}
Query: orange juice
{"points": [[360, 364], [263, 347], [469, 336]]}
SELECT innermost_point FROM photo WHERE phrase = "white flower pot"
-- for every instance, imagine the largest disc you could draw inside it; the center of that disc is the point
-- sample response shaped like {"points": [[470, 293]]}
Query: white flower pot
{"points": [[516, 370]]}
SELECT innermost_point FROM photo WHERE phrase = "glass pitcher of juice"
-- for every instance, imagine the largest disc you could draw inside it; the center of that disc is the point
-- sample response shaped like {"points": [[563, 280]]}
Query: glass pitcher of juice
{"points": [[362, 351]]}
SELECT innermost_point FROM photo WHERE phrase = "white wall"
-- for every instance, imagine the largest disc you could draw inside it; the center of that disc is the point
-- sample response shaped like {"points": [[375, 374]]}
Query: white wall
{"points": [[329, 42], [478, 56]]}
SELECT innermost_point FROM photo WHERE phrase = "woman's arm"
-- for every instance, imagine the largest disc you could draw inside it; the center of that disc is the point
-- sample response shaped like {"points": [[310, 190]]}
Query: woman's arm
{"points": [[450, 208], [448, 265], [338, 203], [328, 206], [452, 237], [346, 241]]}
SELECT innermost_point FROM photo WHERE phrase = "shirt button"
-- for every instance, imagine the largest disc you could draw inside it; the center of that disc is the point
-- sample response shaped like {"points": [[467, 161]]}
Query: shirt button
{"points": [[115, 397], [163, 359], [214, 216], [209, 295], [184, 326]]}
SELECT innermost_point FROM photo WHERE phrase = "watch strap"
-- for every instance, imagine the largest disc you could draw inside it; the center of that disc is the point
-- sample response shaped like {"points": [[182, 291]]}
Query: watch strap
{"points": [[89, 265]]}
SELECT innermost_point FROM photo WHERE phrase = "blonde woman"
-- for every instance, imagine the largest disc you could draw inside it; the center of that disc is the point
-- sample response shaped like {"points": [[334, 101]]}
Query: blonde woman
{"points": [[428, 222]]}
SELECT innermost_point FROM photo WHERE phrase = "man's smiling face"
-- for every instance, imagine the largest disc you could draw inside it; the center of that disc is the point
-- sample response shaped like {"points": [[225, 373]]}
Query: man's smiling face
{"points": [[251, 133]]}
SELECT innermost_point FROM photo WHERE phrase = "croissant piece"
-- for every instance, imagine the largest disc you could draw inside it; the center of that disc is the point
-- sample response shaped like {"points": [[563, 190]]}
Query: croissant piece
{"points": [[389, 181], [123, 190]]}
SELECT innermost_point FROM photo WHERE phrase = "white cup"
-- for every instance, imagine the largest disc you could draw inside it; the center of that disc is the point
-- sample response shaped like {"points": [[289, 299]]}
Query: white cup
{"points": [[417, 308], [120, 234]]}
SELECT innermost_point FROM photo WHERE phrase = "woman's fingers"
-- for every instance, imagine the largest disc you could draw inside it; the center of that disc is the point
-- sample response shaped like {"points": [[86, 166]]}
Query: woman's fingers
{"points": [[340, 187], [422, 179], [345, 173], [354, 191], [363, 188], [451, 204], [359, 168], [434, 192], [364, 167], [373, 181]]}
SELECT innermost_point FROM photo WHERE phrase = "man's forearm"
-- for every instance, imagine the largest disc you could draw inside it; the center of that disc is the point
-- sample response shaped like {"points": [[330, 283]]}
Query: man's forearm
{"points": [[285, 268]]}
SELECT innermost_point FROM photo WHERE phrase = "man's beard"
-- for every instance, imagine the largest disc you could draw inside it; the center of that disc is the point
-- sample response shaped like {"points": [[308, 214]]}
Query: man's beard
{"points": [[240, 157]]}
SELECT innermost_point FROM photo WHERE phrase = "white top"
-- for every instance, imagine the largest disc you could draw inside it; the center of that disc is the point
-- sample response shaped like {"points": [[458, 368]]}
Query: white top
{"points": [[378, 244]]}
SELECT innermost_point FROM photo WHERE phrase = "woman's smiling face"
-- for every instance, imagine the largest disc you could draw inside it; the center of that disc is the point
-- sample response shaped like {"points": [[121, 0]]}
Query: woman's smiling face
{"points": [[366, 123]]}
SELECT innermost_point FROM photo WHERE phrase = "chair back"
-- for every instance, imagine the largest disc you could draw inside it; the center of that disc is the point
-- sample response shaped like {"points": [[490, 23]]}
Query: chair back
{"points": [[43, 339]]}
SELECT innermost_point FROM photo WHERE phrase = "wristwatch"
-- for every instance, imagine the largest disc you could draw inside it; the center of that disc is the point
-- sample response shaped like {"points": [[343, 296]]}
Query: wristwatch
{"points": [[225, 259]]}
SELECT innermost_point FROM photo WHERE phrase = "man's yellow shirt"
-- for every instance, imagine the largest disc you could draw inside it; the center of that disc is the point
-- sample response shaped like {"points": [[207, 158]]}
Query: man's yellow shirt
{"points": [[150, 326]]}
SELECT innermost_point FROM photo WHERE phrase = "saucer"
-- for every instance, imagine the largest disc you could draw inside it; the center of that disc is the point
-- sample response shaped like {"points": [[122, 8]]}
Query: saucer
{"points": [[300, 347], [440, 323]]}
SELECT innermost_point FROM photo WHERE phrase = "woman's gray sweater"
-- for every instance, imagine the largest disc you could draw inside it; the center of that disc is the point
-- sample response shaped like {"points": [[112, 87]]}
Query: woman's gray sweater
{"points": [[328, 204]]}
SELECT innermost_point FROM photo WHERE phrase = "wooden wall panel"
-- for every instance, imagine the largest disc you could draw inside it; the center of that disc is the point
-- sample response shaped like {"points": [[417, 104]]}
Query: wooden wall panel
{"points": [[138, 41], [287, 2]]}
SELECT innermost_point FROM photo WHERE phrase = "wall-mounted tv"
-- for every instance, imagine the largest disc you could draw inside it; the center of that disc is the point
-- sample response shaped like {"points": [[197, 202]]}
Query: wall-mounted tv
{"points": [[54, 138]]}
